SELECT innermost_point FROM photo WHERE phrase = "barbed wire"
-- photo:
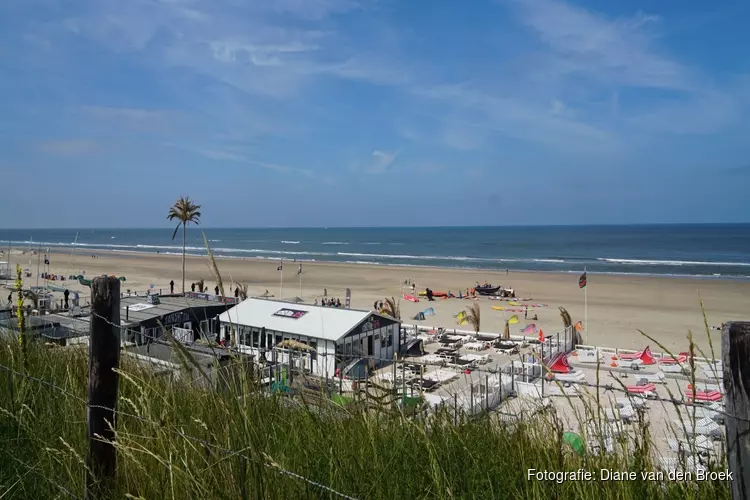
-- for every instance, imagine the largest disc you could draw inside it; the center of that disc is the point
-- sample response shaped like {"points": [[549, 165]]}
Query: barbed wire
{"points": [[269, 463]]}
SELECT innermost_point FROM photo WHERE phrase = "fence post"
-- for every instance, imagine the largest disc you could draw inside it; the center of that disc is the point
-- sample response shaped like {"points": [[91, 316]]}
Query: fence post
{"points": [[735, 349], [104, 359]]}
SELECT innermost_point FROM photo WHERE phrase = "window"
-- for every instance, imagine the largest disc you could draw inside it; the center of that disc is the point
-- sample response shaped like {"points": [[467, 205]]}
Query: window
{"points": [[255, 338], [263, 341], [314, 353], [389, 338]]}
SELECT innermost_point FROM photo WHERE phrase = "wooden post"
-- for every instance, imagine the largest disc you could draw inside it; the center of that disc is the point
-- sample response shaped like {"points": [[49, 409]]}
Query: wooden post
{"points": [[104, 358], [735, 349]]}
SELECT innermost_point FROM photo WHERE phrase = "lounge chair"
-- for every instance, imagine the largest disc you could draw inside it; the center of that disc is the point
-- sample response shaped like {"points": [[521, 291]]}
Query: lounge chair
{"points": [[701, 444], [711, 396], [704, 426], [651, 378], [644, 356], [574, 376]]}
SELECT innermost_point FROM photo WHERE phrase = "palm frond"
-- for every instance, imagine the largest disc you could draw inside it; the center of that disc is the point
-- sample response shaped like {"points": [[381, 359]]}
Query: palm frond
{"points": [[392, 308], [474, 316], [185, 211], [242, 291]]}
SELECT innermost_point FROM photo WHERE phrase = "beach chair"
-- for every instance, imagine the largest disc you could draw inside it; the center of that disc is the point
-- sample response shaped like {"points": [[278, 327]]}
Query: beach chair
{"points": [[644, 356], [673, 361], [589, 356], [624, 413], [634, 401], [669, 464], [704, 427], [574, 376], [646, 391], [704, 387], [672, 368], [651, 378], [710, 396], [700, 445]]}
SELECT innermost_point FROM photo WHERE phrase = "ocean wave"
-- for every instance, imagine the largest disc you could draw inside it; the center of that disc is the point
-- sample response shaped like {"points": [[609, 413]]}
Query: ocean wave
{"points": [[639, 262], [290, 242], [334, 243]]}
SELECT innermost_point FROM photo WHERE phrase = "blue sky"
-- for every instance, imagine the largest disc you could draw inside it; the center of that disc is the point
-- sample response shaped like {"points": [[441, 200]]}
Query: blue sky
{"points": [[346, 112]]}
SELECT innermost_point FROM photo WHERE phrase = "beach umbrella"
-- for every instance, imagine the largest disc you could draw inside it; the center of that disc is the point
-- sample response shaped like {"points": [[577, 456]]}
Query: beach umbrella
{"points": [[575, 441], [513, 320]]}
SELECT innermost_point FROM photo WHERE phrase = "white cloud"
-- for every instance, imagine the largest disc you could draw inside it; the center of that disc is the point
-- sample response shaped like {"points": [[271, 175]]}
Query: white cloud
{"points": [[620, 51], [382, 161]]}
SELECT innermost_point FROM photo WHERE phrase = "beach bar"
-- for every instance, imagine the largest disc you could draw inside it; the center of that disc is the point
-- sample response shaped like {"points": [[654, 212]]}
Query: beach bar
{"points": [[334, 336], [145, 318]]}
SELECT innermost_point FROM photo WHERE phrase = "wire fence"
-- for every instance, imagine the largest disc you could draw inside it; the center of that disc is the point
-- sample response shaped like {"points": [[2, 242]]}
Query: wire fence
{"points": [[269, 463]]}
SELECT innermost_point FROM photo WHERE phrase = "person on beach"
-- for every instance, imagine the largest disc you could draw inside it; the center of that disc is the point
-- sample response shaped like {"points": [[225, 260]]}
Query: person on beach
{"points": [[10, 299], [171, 287], [237, 293], [192, 287], [66, 294], [216, 290], [526, 312]]}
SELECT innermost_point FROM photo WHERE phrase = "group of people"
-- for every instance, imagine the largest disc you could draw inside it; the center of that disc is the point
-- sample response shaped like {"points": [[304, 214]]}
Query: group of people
{"points": [[326, 302]]}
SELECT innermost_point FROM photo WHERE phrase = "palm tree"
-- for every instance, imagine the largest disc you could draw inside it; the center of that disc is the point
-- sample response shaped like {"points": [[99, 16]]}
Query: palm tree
{"points": [[392, 308], [474, 316], [242, 291], [186, 212]]}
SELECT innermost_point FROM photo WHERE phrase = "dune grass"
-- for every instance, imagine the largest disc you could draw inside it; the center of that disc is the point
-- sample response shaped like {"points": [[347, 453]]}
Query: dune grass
{"points": [[175, 441]]}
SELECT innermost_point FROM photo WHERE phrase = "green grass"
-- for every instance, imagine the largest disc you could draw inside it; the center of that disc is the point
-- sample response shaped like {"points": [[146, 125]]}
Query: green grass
{"points": [[368, 455]]}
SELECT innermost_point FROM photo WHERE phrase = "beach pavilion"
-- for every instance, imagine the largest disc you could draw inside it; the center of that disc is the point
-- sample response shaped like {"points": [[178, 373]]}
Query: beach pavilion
{"points": [[334, 336]]}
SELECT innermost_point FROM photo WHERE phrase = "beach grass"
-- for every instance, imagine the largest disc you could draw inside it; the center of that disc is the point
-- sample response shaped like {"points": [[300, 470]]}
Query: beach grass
{"points": [[176, 441]]}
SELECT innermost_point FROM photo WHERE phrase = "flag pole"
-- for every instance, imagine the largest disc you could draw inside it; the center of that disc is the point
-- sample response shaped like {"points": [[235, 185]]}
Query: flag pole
{"points": [[586, 306]]}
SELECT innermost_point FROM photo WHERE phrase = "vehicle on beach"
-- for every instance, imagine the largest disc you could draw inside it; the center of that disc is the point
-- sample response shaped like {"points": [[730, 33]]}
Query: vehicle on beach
{"points": [[498, 291]]}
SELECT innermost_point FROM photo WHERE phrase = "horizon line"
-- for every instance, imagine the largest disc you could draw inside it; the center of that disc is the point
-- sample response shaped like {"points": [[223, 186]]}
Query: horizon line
{"points": [[638, 224]]}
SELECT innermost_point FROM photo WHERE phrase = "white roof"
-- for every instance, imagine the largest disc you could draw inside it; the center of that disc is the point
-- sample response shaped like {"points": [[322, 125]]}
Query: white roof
{"points": [[327, 323]]}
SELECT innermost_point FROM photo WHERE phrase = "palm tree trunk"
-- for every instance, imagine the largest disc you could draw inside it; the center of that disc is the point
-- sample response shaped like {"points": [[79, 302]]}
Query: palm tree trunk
{"points": [[184, 229]]}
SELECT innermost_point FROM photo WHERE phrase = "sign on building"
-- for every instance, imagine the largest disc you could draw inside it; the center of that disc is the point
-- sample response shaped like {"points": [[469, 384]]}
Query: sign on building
{"points": [[183, 335], [290, 313]]}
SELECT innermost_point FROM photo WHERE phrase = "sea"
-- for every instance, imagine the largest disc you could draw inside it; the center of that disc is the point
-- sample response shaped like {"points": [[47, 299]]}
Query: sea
{"points": [[700, 251]]}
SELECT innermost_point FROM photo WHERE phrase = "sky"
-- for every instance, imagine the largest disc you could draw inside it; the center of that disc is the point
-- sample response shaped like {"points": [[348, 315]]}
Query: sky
{"points": [[373, 112]]}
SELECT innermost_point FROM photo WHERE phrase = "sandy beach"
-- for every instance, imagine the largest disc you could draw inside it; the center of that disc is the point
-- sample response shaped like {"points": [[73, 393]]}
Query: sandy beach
{"points": [[618, 306]]}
